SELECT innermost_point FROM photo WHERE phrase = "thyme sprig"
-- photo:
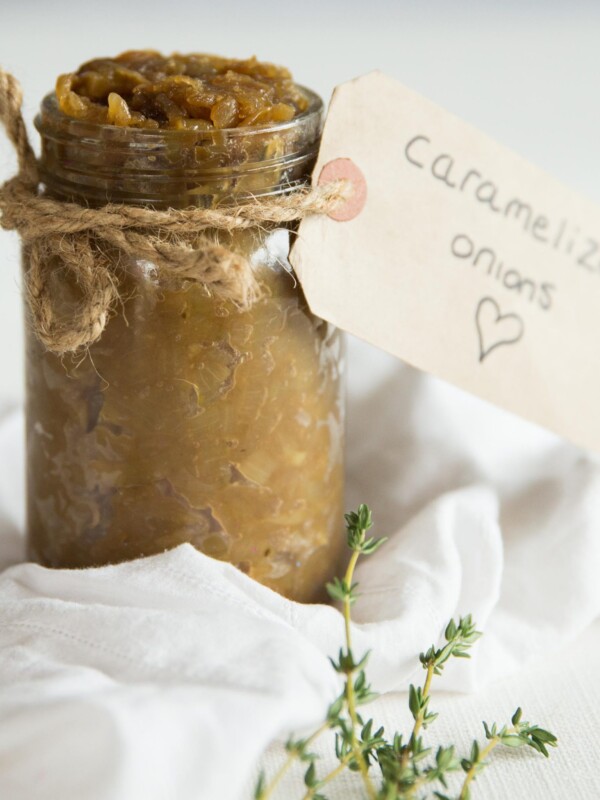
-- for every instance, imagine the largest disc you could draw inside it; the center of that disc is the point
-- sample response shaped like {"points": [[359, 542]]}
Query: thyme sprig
{"points": [[406, 768]]}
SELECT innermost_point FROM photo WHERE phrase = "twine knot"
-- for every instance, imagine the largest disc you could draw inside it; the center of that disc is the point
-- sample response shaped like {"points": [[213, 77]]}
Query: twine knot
{"points": [[68, 244]]}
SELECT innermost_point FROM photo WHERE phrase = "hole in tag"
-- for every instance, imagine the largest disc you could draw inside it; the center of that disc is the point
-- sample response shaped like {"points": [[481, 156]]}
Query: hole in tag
{"points": [[345, 168]]}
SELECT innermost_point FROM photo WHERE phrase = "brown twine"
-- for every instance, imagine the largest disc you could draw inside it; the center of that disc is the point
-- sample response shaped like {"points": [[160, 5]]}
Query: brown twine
{"points": [[67, 236]]}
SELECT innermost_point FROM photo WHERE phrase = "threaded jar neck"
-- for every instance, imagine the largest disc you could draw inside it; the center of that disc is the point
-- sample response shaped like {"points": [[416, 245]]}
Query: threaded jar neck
{"points": [[95, 164]]}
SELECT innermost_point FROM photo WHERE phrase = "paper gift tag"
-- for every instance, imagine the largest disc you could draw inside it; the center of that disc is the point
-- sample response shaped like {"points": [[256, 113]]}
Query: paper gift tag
{"points": [[466, 261]]}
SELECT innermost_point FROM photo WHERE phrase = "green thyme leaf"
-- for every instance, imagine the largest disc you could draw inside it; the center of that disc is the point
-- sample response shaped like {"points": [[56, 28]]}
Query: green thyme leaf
{"points": [[406, 765]]}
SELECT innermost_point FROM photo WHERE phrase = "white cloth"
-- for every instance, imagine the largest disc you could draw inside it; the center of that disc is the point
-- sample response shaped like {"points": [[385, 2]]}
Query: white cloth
{"points": [[167, 677]]}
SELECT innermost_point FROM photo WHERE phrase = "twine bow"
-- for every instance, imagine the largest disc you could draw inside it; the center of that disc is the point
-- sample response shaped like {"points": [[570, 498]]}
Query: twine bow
{"points": [[63, 236]]}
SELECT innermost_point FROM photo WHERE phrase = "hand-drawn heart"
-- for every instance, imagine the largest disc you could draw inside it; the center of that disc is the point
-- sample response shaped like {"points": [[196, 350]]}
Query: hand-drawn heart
{"points": [[495, 328]]}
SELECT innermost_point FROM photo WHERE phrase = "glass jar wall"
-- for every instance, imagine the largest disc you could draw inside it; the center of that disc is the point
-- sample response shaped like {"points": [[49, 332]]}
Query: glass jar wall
{"points": [[190, 419]]}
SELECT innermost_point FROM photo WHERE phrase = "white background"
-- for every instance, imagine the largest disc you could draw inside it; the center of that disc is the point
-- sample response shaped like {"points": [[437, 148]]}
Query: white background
{"points": [[525, 72]]}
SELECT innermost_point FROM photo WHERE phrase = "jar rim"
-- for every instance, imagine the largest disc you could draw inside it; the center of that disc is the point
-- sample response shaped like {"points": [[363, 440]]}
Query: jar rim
{"points": [[50, 110], [98, 163]]}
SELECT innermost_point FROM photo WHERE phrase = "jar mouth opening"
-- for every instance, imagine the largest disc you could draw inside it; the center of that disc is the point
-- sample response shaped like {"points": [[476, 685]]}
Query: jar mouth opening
{"points": [[50, 113]]}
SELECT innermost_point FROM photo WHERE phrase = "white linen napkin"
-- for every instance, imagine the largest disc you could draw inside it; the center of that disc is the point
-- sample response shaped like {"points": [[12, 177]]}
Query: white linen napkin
{"points": [[166, 677]]}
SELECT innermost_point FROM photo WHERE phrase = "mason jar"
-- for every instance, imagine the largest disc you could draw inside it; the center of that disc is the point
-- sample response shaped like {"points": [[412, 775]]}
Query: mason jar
{"points": [[191, 419]]}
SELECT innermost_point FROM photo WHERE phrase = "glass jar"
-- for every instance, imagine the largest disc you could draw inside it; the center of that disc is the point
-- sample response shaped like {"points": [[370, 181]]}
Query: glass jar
{"points": [[189, 420]]}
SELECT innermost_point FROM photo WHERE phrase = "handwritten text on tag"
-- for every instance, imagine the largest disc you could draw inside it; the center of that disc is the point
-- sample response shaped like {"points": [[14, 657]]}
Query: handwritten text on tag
{"points": [[466, 261]]}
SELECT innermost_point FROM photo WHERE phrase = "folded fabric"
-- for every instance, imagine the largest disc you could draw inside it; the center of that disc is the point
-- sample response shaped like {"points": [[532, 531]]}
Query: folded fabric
{"points": [[166, 677]]}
